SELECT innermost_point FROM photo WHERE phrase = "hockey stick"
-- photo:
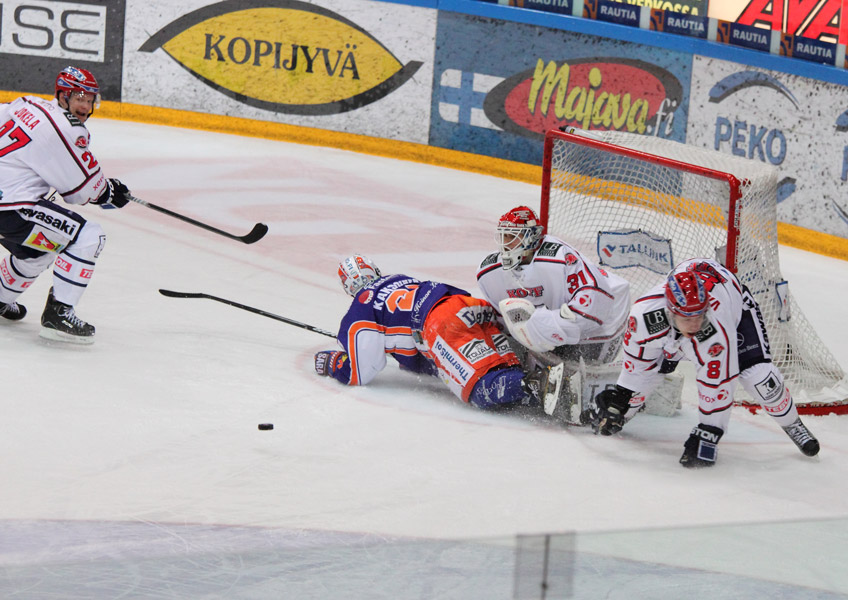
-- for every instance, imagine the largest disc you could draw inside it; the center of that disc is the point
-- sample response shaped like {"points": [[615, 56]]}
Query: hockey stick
{"points": [[257, 233], [171, 294]]}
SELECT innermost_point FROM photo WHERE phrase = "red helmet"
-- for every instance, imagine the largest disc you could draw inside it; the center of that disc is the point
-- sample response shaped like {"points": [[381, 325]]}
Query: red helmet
{"points": [[685, 294], [356, 272], [519, 235], [74, 79]]}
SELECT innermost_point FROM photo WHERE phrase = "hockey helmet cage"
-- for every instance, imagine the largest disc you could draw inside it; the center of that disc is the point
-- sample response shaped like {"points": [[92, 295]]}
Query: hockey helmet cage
{"points": [[356, 272], [686, 295], [519, 234], [74, 79]]}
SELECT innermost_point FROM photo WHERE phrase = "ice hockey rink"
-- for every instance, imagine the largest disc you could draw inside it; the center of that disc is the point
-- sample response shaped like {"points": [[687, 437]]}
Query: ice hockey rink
{"points": [[133, 468]]}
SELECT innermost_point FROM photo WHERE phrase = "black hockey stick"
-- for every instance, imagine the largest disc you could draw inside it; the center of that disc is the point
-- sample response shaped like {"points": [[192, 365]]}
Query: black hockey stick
{"points": [[257, 233], [171, 294]]}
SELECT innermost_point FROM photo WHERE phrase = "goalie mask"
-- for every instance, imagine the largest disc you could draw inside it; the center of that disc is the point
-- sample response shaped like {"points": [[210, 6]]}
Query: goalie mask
{"points": [[356, 272], [518, 236]]}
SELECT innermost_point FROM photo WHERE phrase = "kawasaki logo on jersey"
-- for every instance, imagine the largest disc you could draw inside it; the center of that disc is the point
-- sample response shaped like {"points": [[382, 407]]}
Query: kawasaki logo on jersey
{"points": [[54, 221]]}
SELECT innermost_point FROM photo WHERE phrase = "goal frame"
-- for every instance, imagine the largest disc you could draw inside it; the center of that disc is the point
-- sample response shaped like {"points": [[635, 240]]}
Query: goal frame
{"points": [[733, 227]]}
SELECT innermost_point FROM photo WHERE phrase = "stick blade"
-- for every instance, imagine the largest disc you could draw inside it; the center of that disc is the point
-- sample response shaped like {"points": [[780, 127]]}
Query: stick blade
{"points": [[173, 294], [257, 233]]}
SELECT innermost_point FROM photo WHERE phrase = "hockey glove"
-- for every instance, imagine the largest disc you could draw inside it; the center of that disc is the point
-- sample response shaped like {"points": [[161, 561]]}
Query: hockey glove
{"points": [[328, 362], [118, 197], [612, 404], [700, 449]]}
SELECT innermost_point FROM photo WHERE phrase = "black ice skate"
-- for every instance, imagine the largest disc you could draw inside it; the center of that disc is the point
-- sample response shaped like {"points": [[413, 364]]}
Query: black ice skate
{"points": [[802, 437], [13, 311], [59, 322], [544, 384]]}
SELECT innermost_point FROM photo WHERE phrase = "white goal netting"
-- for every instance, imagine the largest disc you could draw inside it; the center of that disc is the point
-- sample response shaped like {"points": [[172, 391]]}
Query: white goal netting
{"points": [[641, 204]]}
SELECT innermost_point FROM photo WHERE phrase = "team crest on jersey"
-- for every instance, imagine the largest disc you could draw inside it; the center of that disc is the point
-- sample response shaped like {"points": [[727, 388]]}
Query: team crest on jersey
{"points": [[584, 300], [549, 249], [656, 321], [631, 324], [366, 296], [570, 259], [82, 142], [715, 350]]}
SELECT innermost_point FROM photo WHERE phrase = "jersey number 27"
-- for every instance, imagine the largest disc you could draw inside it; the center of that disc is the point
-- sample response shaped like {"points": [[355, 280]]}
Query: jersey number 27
{"points": [[18, 136]]}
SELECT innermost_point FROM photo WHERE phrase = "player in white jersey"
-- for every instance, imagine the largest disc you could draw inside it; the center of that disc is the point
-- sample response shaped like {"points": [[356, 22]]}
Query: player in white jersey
{"points": [[573, 307], [703, 314], [44, 158]]}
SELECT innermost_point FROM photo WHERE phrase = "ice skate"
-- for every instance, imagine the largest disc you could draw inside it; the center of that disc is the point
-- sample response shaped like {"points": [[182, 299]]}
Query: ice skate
{"points": [[544, 383], [13, 311], [59, 322], [802, 437]]}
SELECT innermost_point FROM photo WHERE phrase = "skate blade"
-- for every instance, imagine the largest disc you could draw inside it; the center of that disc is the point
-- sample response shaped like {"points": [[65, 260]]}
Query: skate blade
{"points": [[58, 336], [552, 397]]}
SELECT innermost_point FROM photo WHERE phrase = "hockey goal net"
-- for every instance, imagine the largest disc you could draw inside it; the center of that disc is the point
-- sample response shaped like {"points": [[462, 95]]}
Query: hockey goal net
{"points": [[641, 204]]}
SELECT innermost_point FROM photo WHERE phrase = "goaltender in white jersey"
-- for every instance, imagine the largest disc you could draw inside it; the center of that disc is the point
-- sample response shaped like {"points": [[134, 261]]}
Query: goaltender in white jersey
{"points": [[45, 158], [574, 308]]}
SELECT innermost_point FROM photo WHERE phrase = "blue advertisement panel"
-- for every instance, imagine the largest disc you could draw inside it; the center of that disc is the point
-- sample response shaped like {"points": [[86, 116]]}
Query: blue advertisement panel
{"points": [[498, 99], [796, 124]]}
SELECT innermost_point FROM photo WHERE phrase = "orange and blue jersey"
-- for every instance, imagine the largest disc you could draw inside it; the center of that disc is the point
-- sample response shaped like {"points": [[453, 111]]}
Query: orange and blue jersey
{"points": [[381, 321]]}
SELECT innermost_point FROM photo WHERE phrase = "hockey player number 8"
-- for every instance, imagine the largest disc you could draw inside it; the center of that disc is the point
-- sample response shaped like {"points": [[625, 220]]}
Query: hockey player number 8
{"points": [[19, 138]]}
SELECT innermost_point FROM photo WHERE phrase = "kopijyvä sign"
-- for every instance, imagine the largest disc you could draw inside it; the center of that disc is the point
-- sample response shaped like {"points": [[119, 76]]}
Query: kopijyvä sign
{"points": [[283, 55]]}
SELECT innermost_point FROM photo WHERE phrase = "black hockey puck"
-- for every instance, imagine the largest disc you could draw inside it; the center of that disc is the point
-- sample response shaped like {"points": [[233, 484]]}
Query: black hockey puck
{"points": [[266, 426]]}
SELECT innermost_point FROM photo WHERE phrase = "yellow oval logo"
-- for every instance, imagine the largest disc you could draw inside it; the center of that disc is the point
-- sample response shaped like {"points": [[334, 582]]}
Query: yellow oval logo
{"points": [[283, 55]]}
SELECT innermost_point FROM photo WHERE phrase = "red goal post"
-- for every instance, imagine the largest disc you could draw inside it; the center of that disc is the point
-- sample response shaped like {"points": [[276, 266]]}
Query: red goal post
{"points": [[641, 204]]}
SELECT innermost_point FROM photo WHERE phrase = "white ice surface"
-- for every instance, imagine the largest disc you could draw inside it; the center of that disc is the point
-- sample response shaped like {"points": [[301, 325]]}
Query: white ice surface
{"points": [[155, 424]]}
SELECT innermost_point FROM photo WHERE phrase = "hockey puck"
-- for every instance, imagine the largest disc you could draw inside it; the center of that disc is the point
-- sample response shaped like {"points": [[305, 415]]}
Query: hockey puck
{"points": [[266, 426]]}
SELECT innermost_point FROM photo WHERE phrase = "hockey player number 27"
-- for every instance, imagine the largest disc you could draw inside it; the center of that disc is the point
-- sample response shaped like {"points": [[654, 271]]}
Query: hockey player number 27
{"points": [[19, 138]]}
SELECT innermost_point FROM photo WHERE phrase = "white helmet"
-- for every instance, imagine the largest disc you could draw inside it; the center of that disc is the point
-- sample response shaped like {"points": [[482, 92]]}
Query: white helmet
{"points": [[519, 235], [356, 272]]}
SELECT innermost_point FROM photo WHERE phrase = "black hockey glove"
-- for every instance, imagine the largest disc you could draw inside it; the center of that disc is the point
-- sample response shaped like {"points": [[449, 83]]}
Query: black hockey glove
{"points": [[700, 449], [328, 361], [612, 404], [118, 197]]}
